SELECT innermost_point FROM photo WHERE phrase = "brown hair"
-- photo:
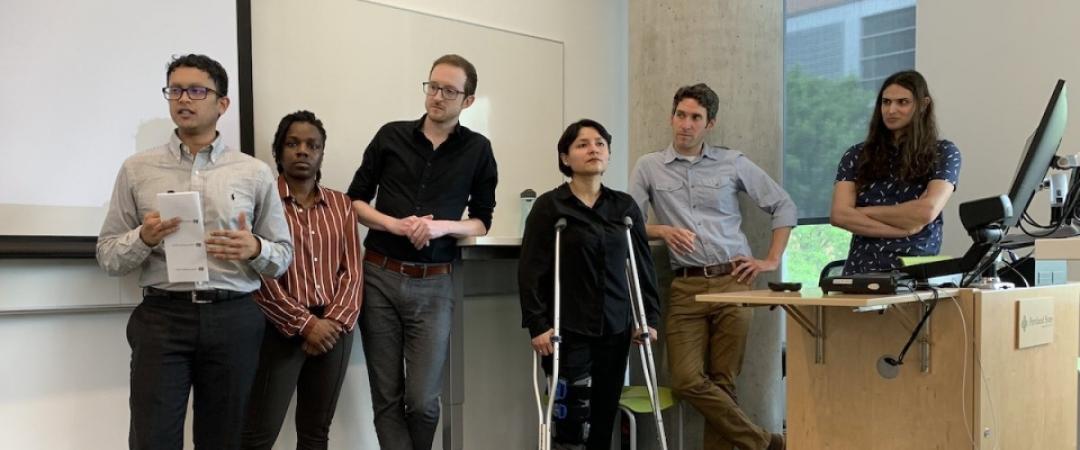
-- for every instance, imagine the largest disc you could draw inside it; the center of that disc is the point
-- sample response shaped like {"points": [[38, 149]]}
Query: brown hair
{"points": [[917, 144], [463, 64]]}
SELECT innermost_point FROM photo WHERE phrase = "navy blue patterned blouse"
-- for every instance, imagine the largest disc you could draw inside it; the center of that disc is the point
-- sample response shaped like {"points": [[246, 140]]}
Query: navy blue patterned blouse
{"points": [[870, 254]]}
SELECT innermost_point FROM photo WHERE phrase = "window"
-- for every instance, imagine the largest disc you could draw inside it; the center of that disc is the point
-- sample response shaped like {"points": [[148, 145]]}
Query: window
{"points": [[836, 54], [888, 46]]}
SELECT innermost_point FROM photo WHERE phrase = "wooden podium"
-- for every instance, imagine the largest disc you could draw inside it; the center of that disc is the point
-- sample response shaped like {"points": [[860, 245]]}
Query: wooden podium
{"points": [[994, 395]]}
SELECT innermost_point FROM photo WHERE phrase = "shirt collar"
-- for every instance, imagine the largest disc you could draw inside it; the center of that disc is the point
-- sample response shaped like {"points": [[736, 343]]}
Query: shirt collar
{"points": [[671, 155], [178, 149], [564, 193], [286, 193], [419, 127]]}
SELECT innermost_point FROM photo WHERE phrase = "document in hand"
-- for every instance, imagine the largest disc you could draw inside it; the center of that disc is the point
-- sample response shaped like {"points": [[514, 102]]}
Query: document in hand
{"points": [[185, 250]]}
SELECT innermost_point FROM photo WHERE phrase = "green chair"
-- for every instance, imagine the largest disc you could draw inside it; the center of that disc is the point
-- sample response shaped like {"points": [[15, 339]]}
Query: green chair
{"points": [[635, 400]]}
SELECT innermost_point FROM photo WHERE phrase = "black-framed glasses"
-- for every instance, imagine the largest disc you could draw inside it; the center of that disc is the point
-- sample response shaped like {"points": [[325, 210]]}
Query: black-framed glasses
{"points": [[431, 88], [194, 92]]}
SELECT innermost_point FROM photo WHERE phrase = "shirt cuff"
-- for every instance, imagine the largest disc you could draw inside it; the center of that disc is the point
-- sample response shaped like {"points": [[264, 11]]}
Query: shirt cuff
{"points": [[306, 327], [261, 261], [538, 327], [785, 218], [140, 249]]}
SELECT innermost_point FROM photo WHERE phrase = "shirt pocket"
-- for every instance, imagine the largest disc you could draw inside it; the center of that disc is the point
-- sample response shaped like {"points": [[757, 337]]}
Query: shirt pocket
{"points": [[227, 198], [672, 192], [717, 193]]}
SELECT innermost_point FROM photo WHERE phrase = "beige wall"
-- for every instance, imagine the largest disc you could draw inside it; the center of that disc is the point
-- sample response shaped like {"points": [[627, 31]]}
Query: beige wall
{"points": [[991, 71]]}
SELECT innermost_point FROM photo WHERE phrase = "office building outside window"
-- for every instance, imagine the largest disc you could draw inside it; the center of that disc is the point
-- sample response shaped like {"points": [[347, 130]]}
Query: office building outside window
{"points": [[836, 54]]}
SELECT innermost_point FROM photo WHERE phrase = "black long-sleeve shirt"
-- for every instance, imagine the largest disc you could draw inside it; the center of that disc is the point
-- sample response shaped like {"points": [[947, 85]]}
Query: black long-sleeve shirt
{"points": [[411, 178], [595, 297]]}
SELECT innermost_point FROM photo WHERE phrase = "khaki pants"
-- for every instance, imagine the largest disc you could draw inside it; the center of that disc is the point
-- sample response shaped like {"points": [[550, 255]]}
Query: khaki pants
{"points": [[705, 345]]}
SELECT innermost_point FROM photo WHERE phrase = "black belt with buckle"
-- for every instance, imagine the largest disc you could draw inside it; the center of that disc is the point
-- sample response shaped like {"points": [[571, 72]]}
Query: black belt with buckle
{"points": [[198, 296], [718, 270]]}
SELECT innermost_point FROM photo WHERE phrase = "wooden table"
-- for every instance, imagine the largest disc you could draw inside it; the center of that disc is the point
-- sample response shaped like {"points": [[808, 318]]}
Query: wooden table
{"points": [[965, 383]]}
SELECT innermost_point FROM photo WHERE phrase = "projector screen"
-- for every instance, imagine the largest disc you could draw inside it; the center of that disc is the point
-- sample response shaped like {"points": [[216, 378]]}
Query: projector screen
{"points": [[82, 92]]}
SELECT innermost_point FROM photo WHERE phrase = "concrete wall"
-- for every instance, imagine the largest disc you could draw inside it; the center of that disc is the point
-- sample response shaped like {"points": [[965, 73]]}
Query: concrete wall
{"points": [[736, 48]]}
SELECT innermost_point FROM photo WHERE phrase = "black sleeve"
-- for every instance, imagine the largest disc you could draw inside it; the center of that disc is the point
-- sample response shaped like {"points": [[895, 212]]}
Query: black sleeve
{"points": [[536, 267], [482, 196], [366, 180], [646, 269]]}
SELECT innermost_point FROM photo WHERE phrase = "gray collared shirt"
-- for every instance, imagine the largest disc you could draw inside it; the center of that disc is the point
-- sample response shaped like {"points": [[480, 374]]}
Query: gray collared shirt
{"points": [[702, 196], [229, 182]]}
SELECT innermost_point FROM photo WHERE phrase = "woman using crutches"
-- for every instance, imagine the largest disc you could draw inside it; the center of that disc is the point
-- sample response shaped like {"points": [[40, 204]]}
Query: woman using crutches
{"points": [[596, 322]]}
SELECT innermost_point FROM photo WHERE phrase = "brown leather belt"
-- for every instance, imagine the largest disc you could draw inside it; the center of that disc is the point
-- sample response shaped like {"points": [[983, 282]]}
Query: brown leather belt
{"points": [[718, 270], [411, 270]]}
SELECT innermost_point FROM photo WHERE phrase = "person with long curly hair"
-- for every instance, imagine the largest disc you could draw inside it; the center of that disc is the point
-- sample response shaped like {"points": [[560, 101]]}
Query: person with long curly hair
{"points": [[891, 188]]}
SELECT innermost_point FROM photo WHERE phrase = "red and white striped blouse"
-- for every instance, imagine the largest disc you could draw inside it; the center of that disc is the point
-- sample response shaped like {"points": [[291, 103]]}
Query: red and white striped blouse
{"points": [[326, 267]]}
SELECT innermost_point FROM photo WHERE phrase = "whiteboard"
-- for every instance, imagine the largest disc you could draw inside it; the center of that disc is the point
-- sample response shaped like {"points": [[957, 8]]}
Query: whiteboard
{"points": [[358, 65], [83, 92]]}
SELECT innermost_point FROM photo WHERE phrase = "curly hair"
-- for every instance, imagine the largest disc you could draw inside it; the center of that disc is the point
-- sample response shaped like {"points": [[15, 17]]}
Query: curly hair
{"points": [[278, 147]]}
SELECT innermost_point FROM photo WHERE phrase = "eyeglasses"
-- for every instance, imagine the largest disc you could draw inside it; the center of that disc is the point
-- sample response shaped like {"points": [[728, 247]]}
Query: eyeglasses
{"points": [[194, 92], [431, 88]]}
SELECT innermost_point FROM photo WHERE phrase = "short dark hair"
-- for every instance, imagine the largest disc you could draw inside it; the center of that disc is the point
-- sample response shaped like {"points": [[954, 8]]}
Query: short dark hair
{"points": [[703, 94], [205, 64], [570, 135], [463, 64], [278, 147]]}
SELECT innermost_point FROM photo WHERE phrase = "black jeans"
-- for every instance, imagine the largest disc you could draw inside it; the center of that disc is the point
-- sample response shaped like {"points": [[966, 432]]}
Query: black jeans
{"points": [[178, 346], [604, 359], [284, 368]]}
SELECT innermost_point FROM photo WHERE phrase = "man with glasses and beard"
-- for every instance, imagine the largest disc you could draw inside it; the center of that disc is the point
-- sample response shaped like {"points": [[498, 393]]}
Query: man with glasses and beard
{"points": [[425, 174]]}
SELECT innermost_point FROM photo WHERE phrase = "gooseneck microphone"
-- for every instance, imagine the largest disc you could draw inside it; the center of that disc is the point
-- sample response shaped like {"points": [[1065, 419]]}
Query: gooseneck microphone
{"points": [[887, 365]]}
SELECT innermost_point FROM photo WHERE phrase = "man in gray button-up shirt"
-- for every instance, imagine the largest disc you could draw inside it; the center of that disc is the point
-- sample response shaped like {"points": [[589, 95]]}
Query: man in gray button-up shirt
{"points": [[204, 335], [693, 189]]}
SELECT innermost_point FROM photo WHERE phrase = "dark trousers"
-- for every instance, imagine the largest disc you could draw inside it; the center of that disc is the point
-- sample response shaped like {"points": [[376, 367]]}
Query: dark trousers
{"points": [[603, 359], [284, 368], [178, 347], [405, 325]]}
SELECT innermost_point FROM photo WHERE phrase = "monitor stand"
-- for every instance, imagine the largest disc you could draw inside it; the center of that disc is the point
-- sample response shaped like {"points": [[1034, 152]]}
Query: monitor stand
{"points": [[1015, 241]]}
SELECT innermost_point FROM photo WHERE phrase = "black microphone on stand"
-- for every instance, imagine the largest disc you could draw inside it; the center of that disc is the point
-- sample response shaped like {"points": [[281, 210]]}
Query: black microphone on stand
{"points": [[888, 366]]}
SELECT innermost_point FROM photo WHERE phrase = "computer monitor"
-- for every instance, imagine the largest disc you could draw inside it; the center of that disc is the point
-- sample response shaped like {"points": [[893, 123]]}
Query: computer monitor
{"points": [[1034, 164], [1039, 154]]}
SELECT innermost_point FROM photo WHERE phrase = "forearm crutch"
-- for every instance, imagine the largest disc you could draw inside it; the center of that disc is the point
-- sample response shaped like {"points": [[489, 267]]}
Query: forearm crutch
{"points": [[544, 439], [648, 364]]}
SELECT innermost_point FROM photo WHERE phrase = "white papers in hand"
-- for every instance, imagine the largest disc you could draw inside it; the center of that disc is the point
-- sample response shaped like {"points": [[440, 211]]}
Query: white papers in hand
{"points": [[185, 249]]}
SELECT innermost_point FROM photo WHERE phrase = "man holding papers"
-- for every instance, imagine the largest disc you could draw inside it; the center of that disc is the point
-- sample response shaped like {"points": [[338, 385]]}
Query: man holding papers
{"points": [[194, 335]]}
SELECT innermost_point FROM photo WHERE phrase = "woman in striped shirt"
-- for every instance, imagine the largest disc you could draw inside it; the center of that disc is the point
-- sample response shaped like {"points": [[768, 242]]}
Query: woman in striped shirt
{"points": [[312, 309]]}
